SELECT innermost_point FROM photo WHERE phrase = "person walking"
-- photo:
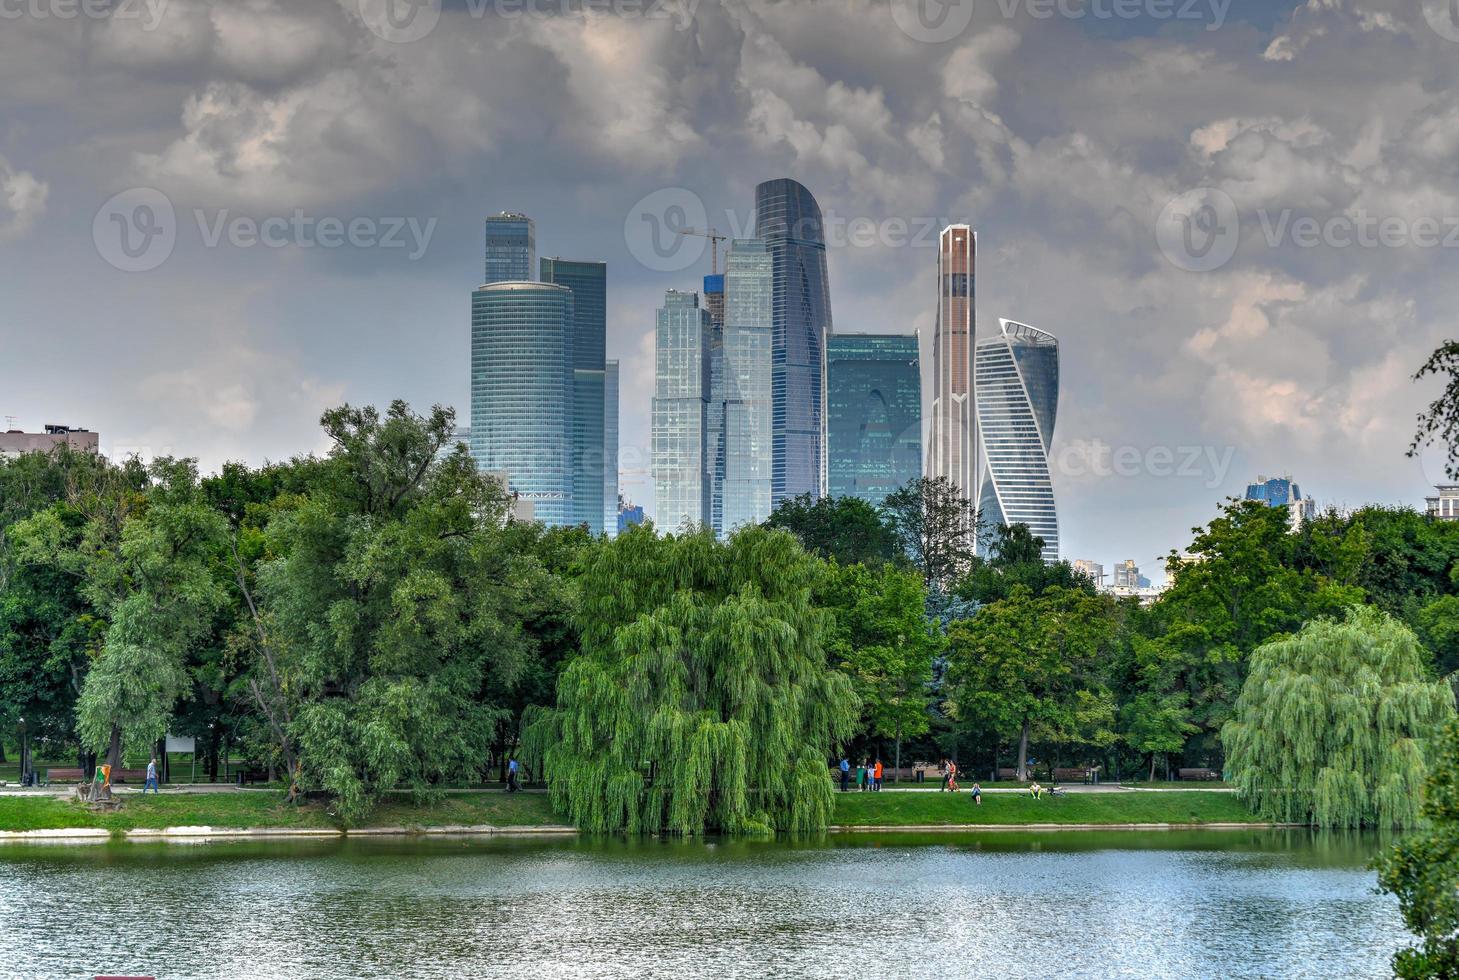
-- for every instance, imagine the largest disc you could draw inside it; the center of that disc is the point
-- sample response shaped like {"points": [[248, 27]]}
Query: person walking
{"points": [[845, 773], [951, 776], [877, 771], [946, 775], [977, 793], [511, 775], [151, 778]]}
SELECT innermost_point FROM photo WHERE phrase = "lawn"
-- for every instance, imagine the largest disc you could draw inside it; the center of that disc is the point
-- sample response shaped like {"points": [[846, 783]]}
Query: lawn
{"points": [[267, 809], [929, 809]]}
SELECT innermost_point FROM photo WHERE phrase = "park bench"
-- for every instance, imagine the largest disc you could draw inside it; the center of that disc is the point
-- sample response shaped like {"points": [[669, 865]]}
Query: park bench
{"points": [[1078, 775], [1005, 775], [250, 774], [129, 775], [1207, 774], [59, 774]]}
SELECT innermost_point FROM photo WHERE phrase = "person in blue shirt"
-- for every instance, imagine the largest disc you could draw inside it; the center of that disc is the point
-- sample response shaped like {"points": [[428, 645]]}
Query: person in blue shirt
{"points": [[845, 774], [151, 778], [512, 776]]}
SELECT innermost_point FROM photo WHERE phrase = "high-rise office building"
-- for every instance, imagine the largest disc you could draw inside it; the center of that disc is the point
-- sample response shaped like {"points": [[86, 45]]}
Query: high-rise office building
{"points": [[874, 420], [511, 248], [714, 448], [1017, 386], [1282, 491], [951, 453], [1092, 569], [788, 219], [522, 391], [743, 482], [610, 449], [681, 412], [589, 284]]}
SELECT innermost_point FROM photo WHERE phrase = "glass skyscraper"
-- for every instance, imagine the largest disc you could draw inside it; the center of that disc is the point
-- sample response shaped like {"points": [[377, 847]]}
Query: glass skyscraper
{"points": [[511, 248], [522, 337], [682, 337], [953, 436], [874, 421], [714, 449], [788, 219], [589, 284], [610, 449], [743, 485], [1017, 377]]}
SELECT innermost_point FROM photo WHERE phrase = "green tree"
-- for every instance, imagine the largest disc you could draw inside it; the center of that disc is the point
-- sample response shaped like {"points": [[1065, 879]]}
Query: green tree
{"points": [[936, 528], [1422, 870], [701, 699], [1014, 557], [1030, 668], [1332, 724], [844, 529], [882, 639], [1156, 724]]}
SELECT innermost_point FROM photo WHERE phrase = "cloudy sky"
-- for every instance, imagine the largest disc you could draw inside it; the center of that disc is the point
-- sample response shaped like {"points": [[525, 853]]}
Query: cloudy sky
{"points": [[1238, 216]]}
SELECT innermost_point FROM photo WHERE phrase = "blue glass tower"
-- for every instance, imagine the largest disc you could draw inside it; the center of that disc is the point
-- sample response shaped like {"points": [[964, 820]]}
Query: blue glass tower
{"points": [[511, 248], [1017, 384], [681, 413], [788, 219], [743, 485], [874, 425], [589, 284], [522, 391]]}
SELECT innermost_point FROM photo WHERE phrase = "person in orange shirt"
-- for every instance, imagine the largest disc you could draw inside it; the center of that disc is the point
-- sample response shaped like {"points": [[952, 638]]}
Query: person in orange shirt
{"points": [[951, 776], [877, 771]]}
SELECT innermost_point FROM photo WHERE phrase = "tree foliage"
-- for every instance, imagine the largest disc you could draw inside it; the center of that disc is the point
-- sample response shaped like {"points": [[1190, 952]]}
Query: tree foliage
{"points": [[937, 529], [1333, 723], [701, 699], [847, 530]]}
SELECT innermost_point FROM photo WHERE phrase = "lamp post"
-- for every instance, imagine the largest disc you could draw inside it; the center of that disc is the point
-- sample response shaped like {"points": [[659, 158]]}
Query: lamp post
{"points": [[25, 773]]}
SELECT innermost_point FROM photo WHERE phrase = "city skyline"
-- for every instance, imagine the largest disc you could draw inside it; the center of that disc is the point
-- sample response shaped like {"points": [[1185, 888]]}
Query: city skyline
{"points": [[1039, 133]]}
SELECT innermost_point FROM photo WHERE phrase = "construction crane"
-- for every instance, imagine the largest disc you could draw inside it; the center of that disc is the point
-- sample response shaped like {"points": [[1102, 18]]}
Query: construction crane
{"points": [[714, 239]]}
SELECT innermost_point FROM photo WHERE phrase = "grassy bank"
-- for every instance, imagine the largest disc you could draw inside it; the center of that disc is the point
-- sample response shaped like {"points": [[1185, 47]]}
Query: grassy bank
{"points": [[931, 809], [258, 809]]}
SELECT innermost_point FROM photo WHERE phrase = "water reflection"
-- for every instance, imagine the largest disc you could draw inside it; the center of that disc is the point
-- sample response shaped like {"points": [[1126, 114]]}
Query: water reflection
{"points": [[1175, 904]]}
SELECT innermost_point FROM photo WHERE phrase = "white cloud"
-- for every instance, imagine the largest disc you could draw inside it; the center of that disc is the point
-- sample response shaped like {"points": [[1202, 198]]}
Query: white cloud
{"points": [[22, 201]]}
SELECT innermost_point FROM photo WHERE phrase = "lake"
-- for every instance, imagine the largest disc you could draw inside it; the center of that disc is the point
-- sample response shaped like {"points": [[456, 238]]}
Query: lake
{"points": [[1071, 904]]}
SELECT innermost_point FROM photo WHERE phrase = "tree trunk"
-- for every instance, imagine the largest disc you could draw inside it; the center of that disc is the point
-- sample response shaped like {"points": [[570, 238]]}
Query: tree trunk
{"points": [[4, 760], [1022, 771], [1152, 767], [114, 748], [897, 771]]}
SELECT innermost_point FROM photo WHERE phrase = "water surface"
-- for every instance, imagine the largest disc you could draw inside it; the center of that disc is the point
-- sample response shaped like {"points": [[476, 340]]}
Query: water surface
{"points": [[1071, 904]]}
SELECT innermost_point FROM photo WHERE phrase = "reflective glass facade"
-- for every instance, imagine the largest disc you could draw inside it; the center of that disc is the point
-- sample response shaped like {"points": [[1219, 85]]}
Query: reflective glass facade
{"points": [[1018, 399], [745, 407], [589, 284], [788, 219], [874, 426], [682, 335], [522, 391], [511, 248], [610, 449]]}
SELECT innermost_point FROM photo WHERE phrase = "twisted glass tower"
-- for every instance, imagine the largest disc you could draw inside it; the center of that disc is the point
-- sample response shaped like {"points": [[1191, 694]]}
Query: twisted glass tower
{"points": [[1017, 382], [788, 220]]}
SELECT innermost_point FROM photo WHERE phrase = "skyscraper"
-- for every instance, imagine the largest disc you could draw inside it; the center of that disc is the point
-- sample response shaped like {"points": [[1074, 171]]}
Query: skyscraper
{"points": [[874, 427], [589, 284], [511, 248], [788, 219], [951, 454], [1282, 491], [714, 458], [1017, 384], [743, 488], [610, 449], [680, 412], [522, 391]]}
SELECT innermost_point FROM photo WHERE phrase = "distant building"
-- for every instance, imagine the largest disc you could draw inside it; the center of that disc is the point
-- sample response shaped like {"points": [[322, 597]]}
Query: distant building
{"points": [[460, 436], [742, 413], [953, 443], [1093, 569], [874, 418], [610, 448], [1017, 390], [682, 334], [1127, 576], [1444, 505], [588, 281], [17, 443], [521, 508], [1283, 492], [511, 248], [522, 392], [628, 515]]}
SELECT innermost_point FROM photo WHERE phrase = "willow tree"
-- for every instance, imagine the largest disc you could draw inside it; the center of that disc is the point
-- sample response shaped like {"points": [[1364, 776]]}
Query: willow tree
{"points": [[701, 698], [1333, 724]]}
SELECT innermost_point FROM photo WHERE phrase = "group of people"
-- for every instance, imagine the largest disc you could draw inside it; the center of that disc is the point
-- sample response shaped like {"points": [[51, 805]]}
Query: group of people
{"points": [[949, 782], [868, 776]]}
